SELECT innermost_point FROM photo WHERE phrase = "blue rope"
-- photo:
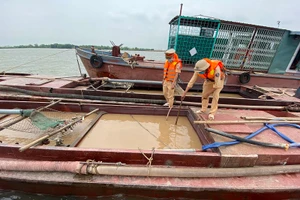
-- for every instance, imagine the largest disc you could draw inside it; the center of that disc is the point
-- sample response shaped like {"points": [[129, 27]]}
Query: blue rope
{"points": [[267, 126]]}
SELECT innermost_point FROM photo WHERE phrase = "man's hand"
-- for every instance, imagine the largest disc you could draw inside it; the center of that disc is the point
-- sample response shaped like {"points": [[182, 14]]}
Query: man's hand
{"points": [[173, 85]]}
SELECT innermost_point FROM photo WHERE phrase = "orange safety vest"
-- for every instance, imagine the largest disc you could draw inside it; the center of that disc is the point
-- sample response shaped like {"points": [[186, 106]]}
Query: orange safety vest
{"points": [[170, 68], [210, 72]]}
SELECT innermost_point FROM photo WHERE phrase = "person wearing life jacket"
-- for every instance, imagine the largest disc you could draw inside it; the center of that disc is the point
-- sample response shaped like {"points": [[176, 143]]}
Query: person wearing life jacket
{"points": [[172, 69], [213, 71]]}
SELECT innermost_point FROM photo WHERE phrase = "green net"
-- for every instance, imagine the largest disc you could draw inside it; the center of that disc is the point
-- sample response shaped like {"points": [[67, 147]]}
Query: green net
{"points": [[39, 122], [43, 123]]}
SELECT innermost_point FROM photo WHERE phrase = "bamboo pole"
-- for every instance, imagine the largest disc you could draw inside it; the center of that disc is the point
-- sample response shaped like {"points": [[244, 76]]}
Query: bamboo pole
{"points": [[237, 106], [270, 118], [168, 113], [55, 132], [178, 113], [246, 122]]}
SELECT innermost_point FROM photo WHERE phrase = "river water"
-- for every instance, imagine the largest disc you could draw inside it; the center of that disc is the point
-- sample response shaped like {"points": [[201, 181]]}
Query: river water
{"points": [[53, 62]]}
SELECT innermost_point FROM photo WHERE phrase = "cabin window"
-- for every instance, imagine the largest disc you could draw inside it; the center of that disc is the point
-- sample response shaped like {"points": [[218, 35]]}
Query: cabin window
{"points": [[296, 64], [189, 30], [207, 32]]}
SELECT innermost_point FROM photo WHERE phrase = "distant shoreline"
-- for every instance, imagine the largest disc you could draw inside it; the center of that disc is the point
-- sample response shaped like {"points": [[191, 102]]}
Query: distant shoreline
{"points": [[72, 46]]}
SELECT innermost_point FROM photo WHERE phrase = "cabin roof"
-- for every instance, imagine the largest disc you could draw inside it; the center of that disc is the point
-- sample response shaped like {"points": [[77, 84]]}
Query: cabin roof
{"points": [[187, 20], [295, 33]]}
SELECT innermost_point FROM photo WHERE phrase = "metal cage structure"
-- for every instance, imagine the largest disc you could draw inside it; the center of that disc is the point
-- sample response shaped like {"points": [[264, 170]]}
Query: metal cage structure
{"points": [[240, 46]]}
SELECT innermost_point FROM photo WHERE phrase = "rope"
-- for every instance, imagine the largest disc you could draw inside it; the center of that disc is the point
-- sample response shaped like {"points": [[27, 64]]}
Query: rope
{"points": [[78, 64], [150, 159], [33, 61]]}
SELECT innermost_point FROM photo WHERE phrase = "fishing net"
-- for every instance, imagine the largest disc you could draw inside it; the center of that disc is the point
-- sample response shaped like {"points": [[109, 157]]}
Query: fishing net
{"points": [[39, 122]]}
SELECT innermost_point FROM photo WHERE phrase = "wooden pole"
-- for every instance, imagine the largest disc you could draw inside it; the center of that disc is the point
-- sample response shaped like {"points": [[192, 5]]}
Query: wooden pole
{"points": [[246, 122], [237, 106], [178, 113], [168, 113], [270, 118]]}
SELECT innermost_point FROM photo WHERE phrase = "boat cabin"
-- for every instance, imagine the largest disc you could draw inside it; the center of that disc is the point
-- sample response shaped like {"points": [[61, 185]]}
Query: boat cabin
{"points": [[240, 46]]}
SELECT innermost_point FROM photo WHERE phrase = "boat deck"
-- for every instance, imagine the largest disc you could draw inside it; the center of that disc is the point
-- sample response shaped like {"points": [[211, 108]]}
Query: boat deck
{"points": [[145, 149]]}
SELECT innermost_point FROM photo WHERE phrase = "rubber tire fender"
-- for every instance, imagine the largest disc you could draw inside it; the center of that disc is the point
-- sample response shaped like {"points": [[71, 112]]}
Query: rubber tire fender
{"points": [[244, 77], [96, 61]]}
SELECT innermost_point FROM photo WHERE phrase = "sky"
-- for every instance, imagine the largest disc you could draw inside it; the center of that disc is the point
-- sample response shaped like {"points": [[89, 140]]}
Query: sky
{"points": [[143, 23]]}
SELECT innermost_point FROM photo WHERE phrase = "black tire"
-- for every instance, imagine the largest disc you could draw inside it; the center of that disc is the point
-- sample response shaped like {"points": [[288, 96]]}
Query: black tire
{"points": [[96, 61], [244, 77]]}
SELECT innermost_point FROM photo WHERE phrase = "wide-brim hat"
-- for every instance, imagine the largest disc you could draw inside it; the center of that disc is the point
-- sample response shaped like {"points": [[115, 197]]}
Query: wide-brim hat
{"points": [[201, 65], [170, 52]]}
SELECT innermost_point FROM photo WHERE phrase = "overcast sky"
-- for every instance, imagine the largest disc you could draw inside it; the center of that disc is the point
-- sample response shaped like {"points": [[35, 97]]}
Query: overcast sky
{"points": [[135, 23]]}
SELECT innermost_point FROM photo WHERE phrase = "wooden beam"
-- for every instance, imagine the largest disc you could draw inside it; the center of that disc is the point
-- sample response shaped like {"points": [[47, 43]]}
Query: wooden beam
{"points": [[87, 129]]}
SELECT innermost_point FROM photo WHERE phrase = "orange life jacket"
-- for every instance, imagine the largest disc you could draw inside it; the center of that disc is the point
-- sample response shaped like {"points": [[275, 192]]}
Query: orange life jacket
{"points": [[170, 68], [210, 72]]}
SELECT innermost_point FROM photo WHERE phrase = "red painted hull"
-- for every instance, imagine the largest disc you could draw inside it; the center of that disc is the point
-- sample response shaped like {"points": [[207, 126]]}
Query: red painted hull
{"points": [[153, 71], [282, 186], [209, 188], [277, 186]]}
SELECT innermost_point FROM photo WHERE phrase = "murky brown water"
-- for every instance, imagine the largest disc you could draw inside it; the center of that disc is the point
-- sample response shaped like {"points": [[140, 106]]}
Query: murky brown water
{"points": [[141, 131]]}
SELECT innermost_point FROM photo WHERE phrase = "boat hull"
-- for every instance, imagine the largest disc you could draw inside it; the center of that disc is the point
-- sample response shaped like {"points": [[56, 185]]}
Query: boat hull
{"points": [[117, 68], [92, 186], [234, 158]]}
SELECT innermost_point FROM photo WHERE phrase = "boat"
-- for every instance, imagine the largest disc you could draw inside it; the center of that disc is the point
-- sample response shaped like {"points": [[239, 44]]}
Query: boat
{"points": [[45, 121], [252, 54]]}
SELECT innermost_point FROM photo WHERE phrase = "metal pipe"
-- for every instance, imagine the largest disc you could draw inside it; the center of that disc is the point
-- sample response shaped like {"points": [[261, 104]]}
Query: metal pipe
{"points": [[11, 111], [145, 171], [180, 9], [134, 81]]}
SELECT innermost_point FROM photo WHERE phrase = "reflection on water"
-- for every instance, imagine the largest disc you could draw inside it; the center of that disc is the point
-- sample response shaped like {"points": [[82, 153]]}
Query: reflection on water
{"points": [[141, 131]]}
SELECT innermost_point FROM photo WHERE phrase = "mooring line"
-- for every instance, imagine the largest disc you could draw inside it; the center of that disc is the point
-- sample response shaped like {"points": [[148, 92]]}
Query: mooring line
{"points": [[34, 61]]}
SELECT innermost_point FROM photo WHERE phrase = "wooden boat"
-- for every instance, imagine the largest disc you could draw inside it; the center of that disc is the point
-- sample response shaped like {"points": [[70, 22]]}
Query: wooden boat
{"points": [[53, 162], [116, 67], [253, 54]]}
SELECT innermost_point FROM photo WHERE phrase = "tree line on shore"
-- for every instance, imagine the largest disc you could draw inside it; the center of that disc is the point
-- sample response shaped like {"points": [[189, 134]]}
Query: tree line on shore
{"points": [[71, 46]]}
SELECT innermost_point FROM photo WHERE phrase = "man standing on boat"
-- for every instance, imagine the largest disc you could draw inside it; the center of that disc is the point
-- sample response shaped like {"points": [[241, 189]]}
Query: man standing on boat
{"points": [[172, 69], [213, 71], [93, 49]]}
